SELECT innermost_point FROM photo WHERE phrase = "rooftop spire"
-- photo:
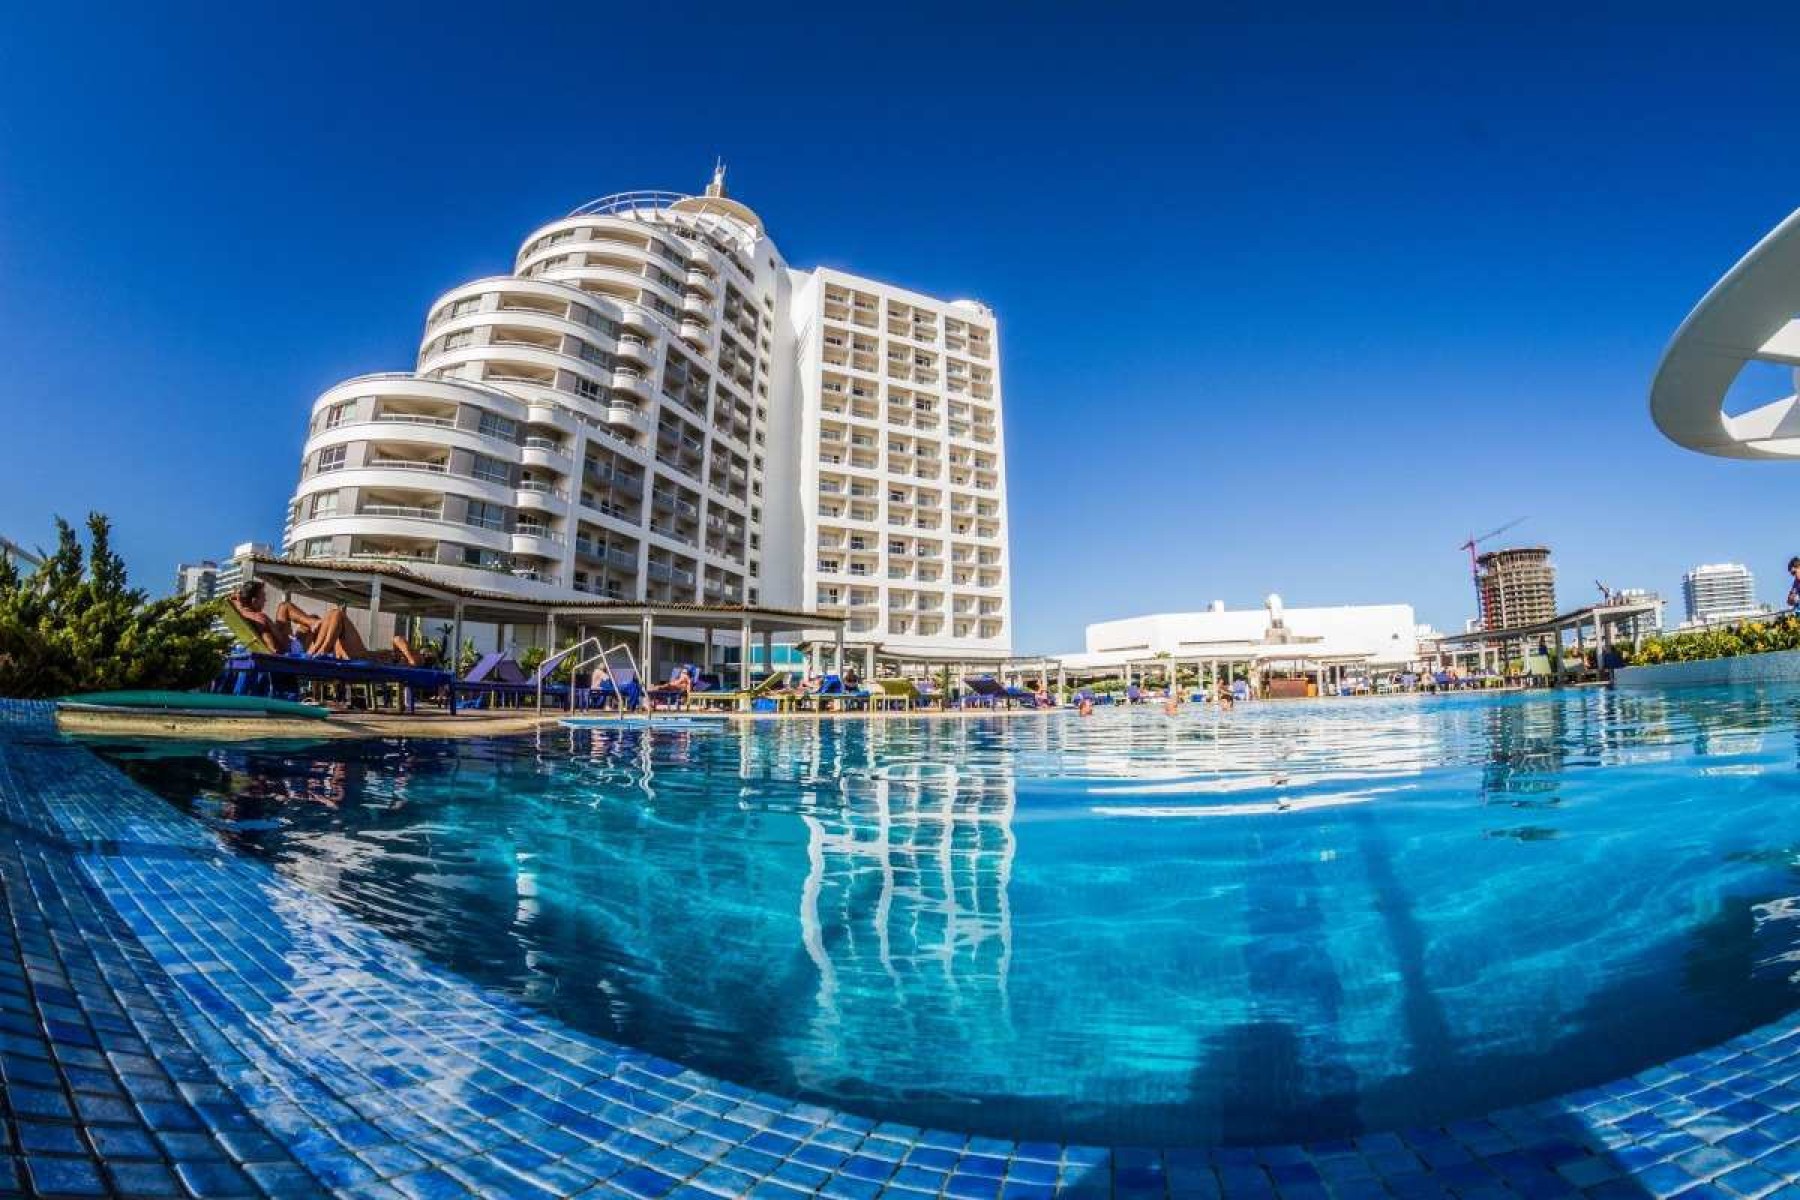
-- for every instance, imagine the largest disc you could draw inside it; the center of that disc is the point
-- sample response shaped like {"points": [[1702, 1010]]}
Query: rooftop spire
{"points": [[717, 186]]}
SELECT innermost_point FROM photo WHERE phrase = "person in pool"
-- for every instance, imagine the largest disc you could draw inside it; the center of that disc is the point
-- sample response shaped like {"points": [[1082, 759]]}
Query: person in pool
{"points": [[1793, 598]]}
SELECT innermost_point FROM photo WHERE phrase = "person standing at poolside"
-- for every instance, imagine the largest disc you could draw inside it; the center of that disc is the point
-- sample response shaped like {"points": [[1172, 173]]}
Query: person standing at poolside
{"points": [[1793, 596]]}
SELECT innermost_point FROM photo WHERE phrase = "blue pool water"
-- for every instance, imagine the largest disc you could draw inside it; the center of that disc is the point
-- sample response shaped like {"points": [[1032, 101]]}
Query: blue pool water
{"points": [[1291, 921]]}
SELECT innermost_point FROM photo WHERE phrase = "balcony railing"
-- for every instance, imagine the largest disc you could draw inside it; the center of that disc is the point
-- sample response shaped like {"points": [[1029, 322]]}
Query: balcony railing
{"points": [[406, 464], [409, 419], [415, 512]]}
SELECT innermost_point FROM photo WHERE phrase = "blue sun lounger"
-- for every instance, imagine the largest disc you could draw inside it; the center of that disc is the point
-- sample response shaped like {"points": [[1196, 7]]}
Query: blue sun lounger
{"points": [[411, 680]]}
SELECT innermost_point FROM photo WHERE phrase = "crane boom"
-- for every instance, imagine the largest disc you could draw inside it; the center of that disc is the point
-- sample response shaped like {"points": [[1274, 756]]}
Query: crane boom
{"points": [[1474, 566]]}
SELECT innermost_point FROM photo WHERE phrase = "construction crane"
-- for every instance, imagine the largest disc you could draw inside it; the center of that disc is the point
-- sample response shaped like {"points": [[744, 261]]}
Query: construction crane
{"points": [[1475, 568]]}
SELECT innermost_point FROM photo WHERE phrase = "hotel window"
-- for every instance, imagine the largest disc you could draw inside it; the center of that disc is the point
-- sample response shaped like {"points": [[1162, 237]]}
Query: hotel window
{"points": [[338, 413], [459, 339], [490, 469], [315, 548], [325, 504], [588, 389], [596, 356], [331, 458], [483, 515], [496, 426], [606, 325], [463, 307]]}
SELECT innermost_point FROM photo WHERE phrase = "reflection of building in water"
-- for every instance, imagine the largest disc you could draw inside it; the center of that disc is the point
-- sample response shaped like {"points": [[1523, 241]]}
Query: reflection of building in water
{"points": [[905, 902], [1525, 753]]}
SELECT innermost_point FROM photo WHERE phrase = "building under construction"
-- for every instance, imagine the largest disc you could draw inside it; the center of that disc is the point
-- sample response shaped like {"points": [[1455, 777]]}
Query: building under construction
{"points": [[1518, 587]]}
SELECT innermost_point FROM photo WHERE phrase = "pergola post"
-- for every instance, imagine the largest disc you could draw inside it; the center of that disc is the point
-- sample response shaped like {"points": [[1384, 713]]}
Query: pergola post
{"points": [[646, 643], [374, 612], [869, 661], [706, 639], [837, 653], [768, 644], [744, 654], [455, 654]]}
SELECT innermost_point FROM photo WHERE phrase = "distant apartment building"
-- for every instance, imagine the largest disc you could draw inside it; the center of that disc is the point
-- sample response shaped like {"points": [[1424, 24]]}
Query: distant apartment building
{"points": [[1517, 585], [654, 406], [210, 578], [18, 555], [199, 581], [1719, 592]]}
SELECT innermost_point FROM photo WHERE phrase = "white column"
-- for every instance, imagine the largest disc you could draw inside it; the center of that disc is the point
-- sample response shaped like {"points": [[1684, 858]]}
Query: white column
{"points": [[744, 654], [374, 612], [646, 643]]}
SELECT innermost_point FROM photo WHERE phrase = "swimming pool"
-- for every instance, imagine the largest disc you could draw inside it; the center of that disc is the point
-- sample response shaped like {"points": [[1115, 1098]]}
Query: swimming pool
{"points": [[1294, 921]]}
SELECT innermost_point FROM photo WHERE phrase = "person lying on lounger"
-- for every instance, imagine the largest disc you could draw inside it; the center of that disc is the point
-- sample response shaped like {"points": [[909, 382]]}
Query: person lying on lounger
{"points": [[333, 635]]}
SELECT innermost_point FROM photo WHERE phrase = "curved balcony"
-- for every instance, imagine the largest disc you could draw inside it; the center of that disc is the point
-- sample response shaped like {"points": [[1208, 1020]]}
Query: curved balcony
{"points": [[628, 416], [551, 416], [695, 305], [693, 329], [631, 381], [430, 438], [549, 455], [635, 347], [541, 497], [538, 544], [702, 281], [407, 385]]}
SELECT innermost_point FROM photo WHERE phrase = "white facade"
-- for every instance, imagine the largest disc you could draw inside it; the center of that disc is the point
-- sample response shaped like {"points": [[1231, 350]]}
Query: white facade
{"points": [[1387, 633], [1719, 592], [655, 406]]}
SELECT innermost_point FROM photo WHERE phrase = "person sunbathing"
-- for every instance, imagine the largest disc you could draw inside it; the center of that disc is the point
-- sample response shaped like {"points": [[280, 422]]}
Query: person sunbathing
{"points": [[333, 635]]}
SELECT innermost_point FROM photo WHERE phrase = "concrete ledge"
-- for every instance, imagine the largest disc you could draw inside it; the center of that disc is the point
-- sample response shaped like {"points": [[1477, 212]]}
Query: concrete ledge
{"points": [[1777, 666]]}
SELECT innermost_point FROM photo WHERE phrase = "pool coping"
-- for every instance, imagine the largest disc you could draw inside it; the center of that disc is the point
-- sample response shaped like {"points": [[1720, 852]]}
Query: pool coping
{"points": [[276, 1002]]}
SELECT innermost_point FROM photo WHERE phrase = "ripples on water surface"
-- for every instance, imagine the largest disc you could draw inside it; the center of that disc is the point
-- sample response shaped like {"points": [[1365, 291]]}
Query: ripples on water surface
{"points": [[1291, 921]]}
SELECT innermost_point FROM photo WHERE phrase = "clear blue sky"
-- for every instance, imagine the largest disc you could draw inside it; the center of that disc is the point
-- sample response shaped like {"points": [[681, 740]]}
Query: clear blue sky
{"points": [[1287, 307]]}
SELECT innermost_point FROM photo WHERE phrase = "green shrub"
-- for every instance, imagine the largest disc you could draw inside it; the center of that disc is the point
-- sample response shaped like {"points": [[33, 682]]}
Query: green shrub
{"points": [[1697, 645], [75, 625]]}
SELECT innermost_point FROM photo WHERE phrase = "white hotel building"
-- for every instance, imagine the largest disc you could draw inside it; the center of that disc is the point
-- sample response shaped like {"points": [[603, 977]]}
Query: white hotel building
{"points": [[655, 406]]}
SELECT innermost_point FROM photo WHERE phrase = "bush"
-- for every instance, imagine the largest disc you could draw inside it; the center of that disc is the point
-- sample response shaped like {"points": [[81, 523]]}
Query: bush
{"points": [[75, 625], [1696, 645]]}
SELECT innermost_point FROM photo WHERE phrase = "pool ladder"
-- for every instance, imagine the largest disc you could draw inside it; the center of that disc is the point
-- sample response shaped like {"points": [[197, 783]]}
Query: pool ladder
{"points": [[602, 655]]}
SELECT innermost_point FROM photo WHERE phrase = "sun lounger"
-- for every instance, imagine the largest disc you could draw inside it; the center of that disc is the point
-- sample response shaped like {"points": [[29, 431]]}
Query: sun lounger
{"points": [[410, 680], [620, 687], [901, 695], [831, 691], [742, 698]]}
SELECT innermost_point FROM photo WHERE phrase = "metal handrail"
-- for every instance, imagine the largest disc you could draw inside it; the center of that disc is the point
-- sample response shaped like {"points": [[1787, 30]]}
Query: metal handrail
{"points": [[603, 658]]}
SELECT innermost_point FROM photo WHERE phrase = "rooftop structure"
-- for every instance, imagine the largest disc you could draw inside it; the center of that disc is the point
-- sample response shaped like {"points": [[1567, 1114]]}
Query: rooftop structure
{"points": [[1375, 634], [655, 407]]}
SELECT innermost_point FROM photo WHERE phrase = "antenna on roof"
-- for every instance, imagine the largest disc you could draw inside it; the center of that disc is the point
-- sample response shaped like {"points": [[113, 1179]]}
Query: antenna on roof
{"points": [[717, 186]]}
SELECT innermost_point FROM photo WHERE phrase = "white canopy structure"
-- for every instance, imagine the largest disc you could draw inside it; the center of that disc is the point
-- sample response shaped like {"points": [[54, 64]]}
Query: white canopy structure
{"points": [[1748, 316]]}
